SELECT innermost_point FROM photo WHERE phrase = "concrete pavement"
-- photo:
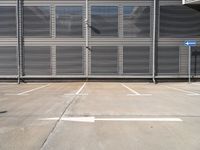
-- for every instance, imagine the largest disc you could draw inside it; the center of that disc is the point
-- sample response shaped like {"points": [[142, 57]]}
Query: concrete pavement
{"points": [[39, 117]]}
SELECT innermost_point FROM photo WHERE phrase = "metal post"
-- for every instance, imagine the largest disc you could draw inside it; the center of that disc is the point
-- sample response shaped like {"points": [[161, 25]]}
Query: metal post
{"points": [[154, 39], [18, 42], [86, 37], [189, 65]]}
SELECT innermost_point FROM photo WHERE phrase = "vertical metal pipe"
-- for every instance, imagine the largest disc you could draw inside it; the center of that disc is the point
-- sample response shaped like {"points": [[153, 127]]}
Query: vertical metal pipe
{"points": [[18, 42], [189, 65], [86, 38], [154, 40]]}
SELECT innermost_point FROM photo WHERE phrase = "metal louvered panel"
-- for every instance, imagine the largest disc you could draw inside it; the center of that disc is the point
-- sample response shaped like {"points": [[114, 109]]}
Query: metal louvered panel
{"points": [[8, 21], [168, 59], [69, 21], [136, 21], [69, 60], [136, 59], [104, 60], [37, 21], [8, 60], [195, 62], [37, 60], [104, 21], [179, 21]]}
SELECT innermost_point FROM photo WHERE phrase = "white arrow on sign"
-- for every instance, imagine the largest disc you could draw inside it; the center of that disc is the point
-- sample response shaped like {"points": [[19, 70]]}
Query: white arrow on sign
{"points": [[190, 43]]}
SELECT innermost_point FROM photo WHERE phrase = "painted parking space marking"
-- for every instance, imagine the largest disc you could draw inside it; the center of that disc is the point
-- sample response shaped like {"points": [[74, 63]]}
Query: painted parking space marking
{"points": [[93, 119], [35, 89], [196, 83], [78, 93], [190, 93], [36, 83], [134, 93], [29, 91], [8, 83]]}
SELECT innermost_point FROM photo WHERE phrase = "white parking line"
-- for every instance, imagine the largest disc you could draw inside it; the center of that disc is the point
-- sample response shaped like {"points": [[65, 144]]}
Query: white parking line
{"points": [[196, 83], [184, 91], [8, 83], [36, 83], [25, 93], [79, 91], [93, 119], [135, 93]]}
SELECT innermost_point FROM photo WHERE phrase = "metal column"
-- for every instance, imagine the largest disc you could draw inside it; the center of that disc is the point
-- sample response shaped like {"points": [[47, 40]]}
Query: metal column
{"points": [[18, 41], [19, 37], [154, 39], [189, 65]]}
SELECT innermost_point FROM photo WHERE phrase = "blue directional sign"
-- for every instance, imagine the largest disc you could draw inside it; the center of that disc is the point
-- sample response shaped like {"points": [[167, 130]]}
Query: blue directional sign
{"points": [[190, 43]]}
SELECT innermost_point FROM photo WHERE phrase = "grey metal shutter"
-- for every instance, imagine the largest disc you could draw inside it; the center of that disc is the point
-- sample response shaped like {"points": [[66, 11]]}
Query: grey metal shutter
{"points": [[104, 60], [8, 21], [195, 62], [69, 21], [136, 59], [136, 20], [37, 21], [37, 60], [104, 21], [8, 60], [168, 59], [69, 60], [179, 21]]}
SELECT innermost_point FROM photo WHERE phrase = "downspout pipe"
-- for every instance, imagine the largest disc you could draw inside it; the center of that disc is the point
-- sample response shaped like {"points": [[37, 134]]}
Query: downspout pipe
{"points": [[18, 43], [86, 39], [154, 41]]}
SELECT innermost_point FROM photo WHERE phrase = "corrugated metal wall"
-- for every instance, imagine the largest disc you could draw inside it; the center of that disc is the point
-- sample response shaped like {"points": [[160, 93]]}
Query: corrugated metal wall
{"points": [[120, 39]]}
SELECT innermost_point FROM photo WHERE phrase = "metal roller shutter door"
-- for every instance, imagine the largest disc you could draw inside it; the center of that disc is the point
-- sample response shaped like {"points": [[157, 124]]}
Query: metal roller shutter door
{"points": [[104, 60], [195, 62], [136, 59], [37, 60], [69, 60], [168, 60], [8, 60]]}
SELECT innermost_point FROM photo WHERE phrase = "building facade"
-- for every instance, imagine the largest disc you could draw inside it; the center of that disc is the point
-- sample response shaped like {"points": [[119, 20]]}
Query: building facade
{"points": [[120, 39]]}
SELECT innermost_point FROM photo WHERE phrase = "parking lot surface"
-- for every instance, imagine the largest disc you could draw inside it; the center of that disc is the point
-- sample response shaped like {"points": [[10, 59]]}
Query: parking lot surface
{"points": [[100, 116]]}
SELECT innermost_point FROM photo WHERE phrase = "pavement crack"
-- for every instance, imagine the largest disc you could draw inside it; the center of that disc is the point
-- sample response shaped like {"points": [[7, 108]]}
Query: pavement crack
{"points": [[61, 116]]}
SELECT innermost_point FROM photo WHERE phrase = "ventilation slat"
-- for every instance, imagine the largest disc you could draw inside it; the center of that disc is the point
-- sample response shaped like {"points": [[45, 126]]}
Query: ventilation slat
{"points": [[104, 60], [195, 62], [69, 21], [69, 60], [8, 21], [168, 59], [179, 22], [136, 59], [104, 21], [8, 60], [37, 60], [37, 21], [136, 21]]}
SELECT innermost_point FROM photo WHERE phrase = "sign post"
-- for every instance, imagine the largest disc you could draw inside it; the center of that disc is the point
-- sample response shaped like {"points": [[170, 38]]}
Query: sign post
{"points": [[190, 43], [189, 65]]}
